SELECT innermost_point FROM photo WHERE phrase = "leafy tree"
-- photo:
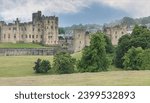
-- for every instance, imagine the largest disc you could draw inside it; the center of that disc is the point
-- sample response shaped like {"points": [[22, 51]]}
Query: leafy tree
{"points": [[145, 58], [94, 57], [61, 31], [140, 37], [109, 46], [122, 48], [132, 59], [64, 63], [42, 66]]}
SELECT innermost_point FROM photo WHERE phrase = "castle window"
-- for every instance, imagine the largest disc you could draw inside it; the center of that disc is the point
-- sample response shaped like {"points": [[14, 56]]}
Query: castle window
{"points": [[116, 37], [47, 27], [33, 29], [21, 36], [116, 32], [25, 29], [51, 27], [49, 37], [41, 36], [122, 32], [14, 35], [38, 30], [36, 36], [29, 36], [80, 42], [9, 28], [14, 28], [26, 36], [32, 36], [8, 35]]}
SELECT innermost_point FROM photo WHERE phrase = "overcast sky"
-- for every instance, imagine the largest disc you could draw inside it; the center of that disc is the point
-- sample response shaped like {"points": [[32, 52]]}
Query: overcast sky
{"points": [[75, 11]]}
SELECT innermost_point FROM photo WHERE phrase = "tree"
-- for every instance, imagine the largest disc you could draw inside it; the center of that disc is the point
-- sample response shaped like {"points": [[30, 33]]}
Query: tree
{"points": [[121, 49], [94, 57], [42, 66], [109, 46], [61, 30], [145, 58], [132, 59], [140, 37], [64, 63]]}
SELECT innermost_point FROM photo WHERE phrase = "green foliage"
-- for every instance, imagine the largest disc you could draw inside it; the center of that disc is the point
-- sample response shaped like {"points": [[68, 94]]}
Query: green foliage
{"points": [[109, 46], [61, 31], [94, 57], [42, 66], [145, 58], [122, 48], [64, 63], [132, 59], [140, 37]]}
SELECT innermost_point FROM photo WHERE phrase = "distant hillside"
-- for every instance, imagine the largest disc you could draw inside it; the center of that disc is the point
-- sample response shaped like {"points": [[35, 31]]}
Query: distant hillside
{"points": [[131, 21], [88, 27]]}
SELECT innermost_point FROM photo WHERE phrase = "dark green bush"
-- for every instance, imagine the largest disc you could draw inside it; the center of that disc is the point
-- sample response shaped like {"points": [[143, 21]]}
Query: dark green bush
{"points": [[63, 63], [42, 66]]}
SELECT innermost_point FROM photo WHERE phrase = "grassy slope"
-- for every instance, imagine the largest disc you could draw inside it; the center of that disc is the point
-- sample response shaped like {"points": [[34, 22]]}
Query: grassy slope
{"points": [[14, 66], [20, 45], [111, 78], [17, 70]]}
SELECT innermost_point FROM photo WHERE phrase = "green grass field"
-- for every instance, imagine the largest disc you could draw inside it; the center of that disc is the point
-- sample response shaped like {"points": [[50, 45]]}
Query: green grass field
{"points": [[18, 70], [20, 45]]}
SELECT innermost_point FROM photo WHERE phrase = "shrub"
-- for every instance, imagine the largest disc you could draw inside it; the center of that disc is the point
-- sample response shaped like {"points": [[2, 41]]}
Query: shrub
{"points": [[63, 63], [42, 66], [132, 59]]}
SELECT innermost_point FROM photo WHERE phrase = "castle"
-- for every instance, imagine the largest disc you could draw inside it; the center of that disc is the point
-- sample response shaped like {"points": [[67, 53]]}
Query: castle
{"points": [[116, 32], [42, 29]]}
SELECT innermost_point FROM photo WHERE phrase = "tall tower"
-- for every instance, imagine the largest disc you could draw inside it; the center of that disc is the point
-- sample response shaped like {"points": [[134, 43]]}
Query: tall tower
{"points": [[36, 17]]}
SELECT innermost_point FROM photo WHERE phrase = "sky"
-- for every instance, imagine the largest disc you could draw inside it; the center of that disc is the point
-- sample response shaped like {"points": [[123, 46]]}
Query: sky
{"points": [[75, 11]]}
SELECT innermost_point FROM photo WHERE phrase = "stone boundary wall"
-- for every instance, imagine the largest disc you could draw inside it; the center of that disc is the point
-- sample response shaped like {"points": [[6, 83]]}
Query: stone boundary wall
{"points": [[26, 51]]}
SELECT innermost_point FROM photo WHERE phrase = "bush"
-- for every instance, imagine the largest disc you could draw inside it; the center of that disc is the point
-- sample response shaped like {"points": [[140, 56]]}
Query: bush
{"points": [[94, 57], [42, 66], [63, 63], [132, 59]]}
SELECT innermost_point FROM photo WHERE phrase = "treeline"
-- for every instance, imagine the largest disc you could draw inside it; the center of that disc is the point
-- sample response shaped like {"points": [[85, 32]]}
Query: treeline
{"points": [[93, 58], [131, 49], [132, 53]]}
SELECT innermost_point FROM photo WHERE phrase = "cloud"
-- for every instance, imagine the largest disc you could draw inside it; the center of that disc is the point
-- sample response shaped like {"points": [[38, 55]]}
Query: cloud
{"points": [[10, 9], [136, 8]]}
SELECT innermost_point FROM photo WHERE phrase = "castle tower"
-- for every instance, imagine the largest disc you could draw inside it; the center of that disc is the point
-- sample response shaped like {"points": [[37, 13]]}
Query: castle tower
{"points": [[36, 17], [79, 39]]}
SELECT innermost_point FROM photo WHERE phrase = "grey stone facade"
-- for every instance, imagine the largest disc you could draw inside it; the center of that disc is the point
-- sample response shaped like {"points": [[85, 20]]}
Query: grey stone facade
{"points": [[42, 29]]}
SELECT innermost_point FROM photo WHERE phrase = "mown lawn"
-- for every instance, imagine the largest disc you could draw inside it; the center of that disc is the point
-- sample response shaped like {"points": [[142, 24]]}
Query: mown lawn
{"points": [[14, 66], [111, 78], [18, 70], [20, 45]]}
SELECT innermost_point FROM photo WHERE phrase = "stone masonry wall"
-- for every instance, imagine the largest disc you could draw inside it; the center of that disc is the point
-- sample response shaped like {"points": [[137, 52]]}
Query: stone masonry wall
{"points": [[23, 52]]}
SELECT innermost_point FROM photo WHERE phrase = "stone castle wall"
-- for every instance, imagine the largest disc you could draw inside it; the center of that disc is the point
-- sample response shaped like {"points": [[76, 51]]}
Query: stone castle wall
{"points": [[42, 29], [23, 52], [115, 33]]}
